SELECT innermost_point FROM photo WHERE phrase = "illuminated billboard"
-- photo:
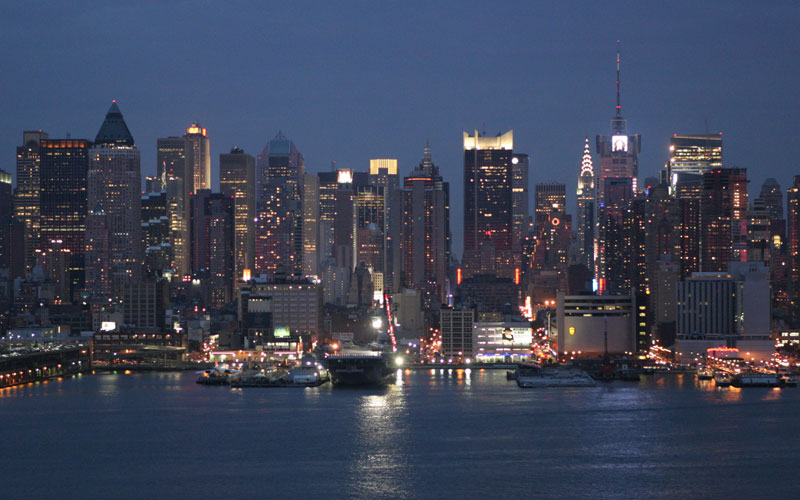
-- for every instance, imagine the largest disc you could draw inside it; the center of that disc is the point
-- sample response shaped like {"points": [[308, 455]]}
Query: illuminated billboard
{"points": [[282, 332], [619, 143]]}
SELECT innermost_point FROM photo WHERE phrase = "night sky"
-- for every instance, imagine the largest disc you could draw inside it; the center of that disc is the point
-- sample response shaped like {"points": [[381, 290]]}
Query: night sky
{"points": [[349, 81]]}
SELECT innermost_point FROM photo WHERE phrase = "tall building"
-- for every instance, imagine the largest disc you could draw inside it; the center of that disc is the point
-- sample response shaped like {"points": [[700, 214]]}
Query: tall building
{"points": [[695, 154], [618, 153], [584, 220], [279, 231], [172, 169], [520, 165], [383, 172], [198, 157], [793, 248], [488, 214], [114, 183], [62, 178], [425, 242], [723, 218], [311, 226], [549, 197], [237, 180], [615, 237], [156, 232], [26, 196]]}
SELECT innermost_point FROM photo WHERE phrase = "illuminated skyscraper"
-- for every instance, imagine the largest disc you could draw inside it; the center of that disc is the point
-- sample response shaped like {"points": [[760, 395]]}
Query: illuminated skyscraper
{"points": [[520, 165], [62, 177], [723, 218], [198, 157], [586, 206], [793, 237], [488, 214], [383, 173], [172, 169], [114, 183], [618, 153], [311, 226], [237, 180], [26, 196], [425, 245], [549, 197], [695, 154]]}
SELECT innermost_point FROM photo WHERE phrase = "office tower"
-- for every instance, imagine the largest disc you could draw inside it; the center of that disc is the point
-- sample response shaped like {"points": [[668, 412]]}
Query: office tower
{"points": [[723, 218], [618, 153], [237, 180], [615, 237], [156, 233], [793, 248], [114, 184], [198, 157], [520, 165], [26, 196], [370, 214], [99, 281], [488, 204], [551, 246], [311, 226], [172, 169], [584, 220], [549, 197], [425, 215], [220, 235], [63, 169], [383, 172], [695, 154], [279, 230], [6, 218]]}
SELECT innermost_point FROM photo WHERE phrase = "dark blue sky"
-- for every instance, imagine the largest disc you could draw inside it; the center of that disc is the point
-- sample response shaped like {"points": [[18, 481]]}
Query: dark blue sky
{"points": [[349, 81]]}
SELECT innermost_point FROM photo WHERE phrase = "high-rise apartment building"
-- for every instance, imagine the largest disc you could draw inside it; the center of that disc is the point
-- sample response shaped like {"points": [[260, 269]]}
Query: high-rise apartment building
{"points": [[311, 226], [793, 248], [383, 172], [723, 218], [172, 169], [488, 213], [520, 166], [237, 181], [114, 184], [27, 194]]}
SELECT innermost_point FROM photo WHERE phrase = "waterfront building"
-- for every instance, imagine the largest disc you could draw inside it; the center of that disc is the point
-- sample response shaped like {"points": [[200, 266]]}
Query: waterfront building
{"points": [[145, 303], [488, 214], [64, 165], [114, 183], [503, 339], [295, 303], [27, 202], [584, 221], [591, 325], [237, 181], [425, 225], [456, 326]]}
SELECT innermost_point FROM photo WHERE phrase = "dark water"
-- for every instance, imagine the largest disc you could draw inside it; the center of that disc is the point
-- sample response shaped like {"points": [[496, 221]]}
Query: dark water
{"points": [[447, 434]]}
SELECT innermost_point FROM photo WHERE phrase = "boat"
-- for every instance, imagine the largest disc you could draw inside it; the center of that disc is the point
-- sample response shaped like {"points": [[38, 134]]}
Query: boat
{"points": [[219, 375], [704, 373], [722, 379], [787, 380], [531, 376], [302, 378], [755, 380], [367, 368]]}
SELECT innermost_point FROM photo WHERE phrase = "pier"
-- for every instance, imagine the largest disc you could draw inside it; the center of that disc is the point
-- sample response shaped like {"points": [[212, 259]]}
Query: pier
{"points": [[22, 368]]}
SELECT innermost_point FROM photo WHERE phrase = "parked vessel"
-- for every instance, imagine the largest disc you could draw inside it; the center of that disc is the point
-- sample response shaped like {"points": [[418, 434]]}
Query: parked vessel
{"points": [[704, 373], [755, 380], [530, 376], [787, 380], [722, 379], [359, 368]]}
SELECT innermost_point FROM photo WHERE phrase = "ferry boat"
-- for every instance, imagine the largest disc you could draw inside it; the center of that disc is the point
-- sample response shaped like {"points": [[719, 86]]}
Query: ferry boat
{"points": [[722, 379], [531, 376], [755, 380], [787, 380]]}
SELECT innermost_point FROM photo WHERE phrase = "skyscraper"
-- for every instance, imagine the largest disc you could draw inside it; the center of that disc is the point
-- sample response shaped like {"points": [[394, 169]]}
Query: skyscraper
{"points": [[425, 215], [520, 165], [172, 169], [114, 184], [618, 153], [198, 157], [26, 196], [695, 154], [586, 208], [793, 237], [237, 180], [549, 197], [723, 216], [62, 178], [383, 172], [488, 214]]}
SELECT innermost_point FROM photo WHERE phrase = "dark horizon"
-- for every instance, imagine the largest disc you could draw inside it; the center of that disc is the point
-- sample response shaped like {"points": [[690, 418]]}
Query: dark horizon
{"points": [[358, 81]]}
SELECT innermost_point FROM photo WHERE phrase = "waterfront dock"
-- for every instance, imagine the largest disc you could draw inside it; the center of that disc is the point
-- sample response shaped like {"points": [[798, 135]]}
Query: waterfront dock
{"points": [[22, 368]]}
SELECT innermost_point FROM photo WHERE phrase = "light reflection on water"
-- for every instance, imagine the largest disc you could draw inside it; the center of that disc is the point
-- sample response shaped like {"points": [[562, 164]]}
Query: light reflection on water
{"points": [[438, 433]]}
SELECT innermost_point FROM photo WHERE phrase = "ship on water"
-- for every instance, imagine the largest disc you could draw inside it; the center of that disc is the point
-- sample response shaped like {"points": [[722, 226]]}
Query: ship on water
{"points": [[360, 367]]}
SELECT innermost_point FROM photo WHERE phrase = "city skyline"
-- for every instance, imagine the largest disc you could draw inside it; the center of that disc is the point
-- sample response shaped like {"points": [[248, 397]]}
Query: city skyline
{"points": [[370, 109]]}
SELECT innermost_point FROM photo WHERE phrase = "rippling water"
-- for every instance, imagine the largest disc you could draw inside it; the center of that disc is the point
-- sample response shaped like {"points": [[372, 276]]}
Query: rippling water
{"points": [[433, 434]]}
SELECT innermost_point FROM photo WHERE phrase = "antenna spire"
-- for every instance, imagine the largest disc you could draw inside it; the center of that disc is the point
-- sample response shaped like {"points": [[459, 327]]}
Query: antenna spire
{"points": [[618, 123], [619, 105]]}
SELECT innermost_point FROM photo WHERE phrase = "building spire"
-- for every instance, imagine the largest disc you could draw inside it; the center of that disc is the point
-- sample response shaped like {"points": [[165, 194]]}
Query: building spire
{"points": [[618, 123], [587, 168]]}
